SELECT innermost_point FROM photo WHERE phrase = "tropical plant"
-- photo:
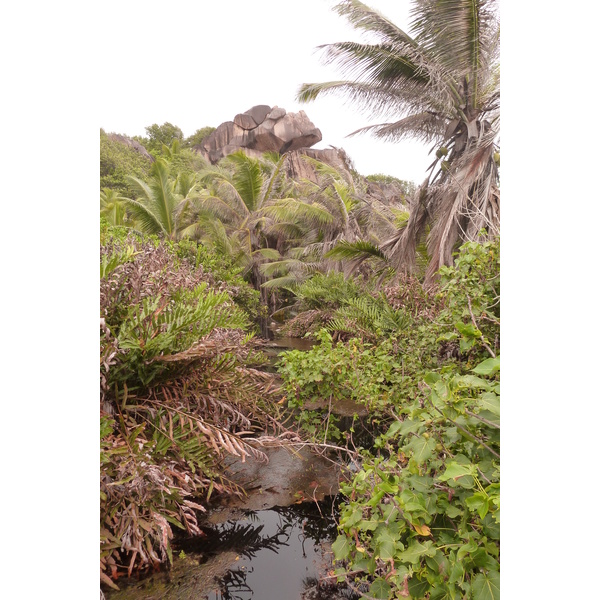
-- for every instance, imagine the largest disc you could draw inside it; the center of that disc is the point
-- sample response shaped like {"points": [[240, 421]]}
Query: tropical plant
{"points": [[320, 215], [421, 515], [163, 204], [440, 85], [162, 135], [117, 161], [198, 137], [239, 191], [112, 206], [176, 394]]}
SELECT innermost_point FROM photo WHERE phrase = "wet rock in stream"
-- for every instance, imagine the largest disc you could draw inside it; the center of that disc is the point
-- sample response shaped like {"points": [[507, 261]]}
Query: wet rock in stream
{"points": [[293, 474]]}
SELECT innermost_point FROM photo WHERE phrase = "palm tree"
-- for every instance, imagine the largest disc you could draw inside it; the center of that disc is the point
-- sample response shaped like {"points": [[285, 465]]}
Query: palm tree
{"points": [[440, 86], [163, 204], [323, 214], [239, 189], [112, 206]]}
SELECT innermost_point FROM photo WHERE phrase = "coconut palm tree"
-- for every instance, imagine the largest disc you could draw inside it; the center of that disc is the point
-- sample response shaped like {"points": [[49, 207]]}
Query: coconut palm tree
{"points": [[439, 85], [163, 204]]}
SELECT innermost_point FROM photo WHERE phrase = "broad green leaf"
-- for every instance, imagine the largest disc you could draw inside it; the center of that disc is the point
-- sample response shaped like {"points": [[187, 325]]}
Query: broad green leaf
{"points": [[366, 564], [471, 382], [448, 592], [393, 429], [484, 561], [467, 548], [415, 550], [438, 563], [451, 335], [457, 573], [422, 448], [478, 502], [453, 512], [487, 367], [468, 329], [380, 588], [353, 518], [490, 401], [418, 587], [486, 586], [455, 471], [341, 547], [410, 426], [367, 524], [386, 550]]}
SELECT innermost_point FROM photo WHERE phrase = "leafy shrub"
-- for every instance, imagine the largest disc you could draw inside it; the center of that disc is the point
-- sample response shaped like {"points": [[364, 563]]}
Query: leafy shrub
{"points": [[422, 514], [117, 161]]}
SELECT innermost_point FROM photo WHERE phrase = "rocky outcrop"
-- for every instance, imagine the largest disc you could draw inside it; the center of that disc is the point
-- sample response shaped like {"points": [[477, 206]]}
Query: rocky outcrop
{"points": [[261, 129], [122, 139]]}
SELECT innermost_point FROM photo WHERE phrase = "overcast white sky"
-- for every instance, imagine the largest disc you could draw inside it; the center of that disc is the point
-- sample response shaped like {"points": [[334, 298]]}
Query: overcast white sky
{"points": [[200, 63]]}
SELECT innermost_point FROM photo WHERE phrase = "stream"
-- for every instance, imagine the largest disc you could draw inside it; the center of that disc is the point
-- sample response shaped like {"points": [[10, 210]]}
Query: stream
{"points": [[272, 544]]}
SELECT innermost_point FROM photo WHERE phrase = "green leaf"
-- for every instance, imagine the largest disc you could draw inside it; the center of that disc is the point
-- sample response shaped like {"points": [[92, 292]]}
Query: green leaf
{"points": [[386, 550], [457, 573], [353, 518], [415, 550], [380, 588], [418, 587], [422, 448], [341, 547], [468, 330], [478, 502], [487, 367], [490, 401], [366, 564], [486, 586], [455, 471]]}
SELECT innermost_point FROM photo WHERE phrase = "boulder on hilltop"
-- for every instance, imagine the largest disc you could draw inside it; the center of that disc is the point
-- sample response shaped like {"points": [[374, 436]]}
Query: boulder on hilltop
{"points": [[261, 129]]}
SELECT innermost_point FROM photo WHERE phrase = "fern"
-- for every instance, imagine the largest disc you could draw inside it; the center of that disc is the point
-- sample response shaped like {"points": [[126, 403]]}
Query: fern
{"points": [[369, 315]]}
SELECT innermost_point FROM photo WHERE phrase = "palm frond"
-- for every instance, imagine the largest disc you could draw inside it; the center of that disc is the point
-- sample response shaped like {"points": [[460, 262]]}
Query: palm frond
{"points": [[247, 179], [424, 126]]}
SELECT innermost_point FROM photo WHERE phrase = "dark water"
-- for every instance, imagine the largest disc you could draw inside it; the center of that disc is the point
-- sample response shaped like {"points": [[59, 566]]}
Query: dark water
{"points": [[283, 553], [279, 554]]}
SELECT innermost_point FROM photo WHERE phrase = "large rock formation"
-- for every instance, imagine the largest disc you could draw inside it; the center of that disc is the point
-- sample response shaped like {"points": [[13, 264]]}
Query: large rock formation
{"points": [[261, 129]]}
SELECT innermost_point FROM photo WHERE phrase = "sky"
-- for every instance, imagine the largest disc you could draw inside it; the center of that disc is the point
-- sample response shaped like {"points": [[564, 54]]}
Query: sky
{"points": [[201, 63]]}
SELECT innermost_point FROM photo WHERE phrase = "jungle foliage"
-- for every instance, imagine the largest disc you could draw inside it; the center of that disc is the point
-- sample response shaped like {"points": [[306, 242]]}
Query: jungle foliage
{"points": [[440, 83], [402, 298], [421, 517]]}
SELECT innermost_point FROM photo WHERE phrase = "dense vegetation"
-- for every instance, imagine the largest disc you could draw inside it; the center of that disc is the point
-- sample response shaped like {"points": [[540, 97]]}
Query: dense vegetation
{"points": [[196, 260], [422, 513]]}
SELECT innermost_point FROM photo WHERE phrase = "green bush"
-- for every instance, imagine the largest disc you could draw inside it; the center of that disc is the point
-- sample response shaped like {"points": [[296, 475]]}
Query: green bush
{"points": [[422, 514], [117, 161]]}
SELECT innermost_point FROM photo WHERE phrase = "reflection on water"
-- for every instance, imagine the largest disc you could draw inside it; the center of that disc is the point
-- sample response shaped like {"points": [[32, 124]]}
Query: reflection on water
{"points": [[279, 553]]}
